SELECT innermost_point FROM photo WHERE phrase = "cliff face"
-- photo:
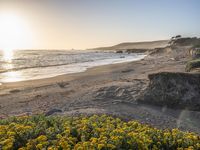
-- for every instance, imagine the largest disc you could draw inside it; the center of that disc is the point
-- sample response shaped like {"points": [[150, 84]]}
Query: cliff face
{"points": [[175, 90]]}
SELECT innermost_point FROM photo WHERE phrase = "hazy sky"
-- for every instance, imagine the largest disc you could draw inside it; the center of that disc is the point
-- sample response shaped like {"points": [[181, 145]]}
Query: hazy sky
{"points": [[66, 24]]}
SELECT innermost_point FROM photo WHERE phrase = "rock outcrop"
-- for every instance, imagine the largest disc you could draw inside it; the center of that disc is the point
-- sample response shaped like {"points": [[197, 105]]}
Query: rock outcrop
{"points": [[195, 53], [174, 90]]}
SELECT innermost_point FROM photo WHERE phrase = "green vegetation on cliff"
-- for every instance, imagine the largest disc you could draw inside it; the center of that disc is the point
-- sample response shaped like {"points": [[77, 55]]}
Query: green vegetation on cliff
{"points": [[192, 65]]}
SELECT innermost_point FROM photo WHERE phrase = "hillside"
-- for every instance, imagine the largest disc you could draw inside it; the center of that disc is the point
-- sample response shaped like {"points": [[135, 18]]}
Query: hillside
{"points": [[136, 45]]}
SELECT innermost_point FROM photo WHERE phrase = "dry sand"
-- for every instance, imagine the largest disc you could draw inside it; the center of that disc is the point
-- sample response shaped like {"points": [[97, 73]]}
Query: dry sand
{"points": [[110, 89]]}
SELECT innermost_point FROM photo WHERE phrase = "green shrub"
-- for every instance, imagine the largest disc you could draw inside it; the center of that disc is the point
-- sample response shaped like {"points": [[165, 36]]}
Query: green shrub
{"points": [[89, 133], [192, 65], [196, 46]]}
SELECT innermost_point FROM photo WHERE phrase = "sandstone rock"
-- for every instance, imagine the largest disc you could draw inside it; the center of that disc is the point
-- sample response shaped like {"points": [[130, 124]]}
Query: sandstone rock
{"points": [[175, 90], [195, 53]]}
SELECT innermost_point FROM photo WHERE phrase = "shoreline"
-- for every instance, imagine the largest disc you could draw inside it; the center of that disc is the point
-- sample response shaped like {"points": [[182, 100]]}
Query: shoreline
{"points": [[67, 65], [109, 89], [63, 78]]}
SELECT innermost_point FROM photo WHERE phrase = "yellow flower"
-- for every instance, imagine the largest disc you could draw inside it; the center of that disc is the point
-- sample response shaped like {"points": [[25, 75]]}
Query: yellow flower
{"points": [[80, 148], [93, 140], [91, 133], [11, 133], [22, 148], [42, 138], [50, 148], [190, 148], [7, 142], [59, 136], [100, 146], [111, 146], [85, 144], [67, 131], [28, 127], [166, 134], [155, 147], [39, 146]]}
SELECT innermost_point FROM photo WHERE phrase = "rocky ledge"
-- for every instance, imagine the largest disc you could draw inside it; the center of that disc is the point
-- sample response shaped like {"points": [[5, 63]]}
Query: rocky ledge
{"points": [[174, 90]]}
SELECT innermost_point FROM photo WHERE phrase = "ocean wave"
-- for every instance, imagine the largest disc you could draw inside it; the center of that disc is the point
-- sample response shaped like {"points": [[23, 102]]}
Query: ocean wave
{"points": [[54, 64]]}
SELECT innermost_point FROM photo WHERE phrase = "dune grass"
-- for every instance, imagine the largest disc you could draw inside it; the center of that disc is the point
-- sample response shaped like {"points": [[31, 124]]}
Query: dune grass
{"points": [[89, 133]]}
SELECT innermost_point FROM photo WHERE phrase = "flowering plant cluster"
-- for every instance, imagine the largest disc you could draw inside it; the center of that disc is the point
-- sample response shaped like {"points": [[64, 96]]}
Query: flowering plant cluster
{"points": [[89, 133]]}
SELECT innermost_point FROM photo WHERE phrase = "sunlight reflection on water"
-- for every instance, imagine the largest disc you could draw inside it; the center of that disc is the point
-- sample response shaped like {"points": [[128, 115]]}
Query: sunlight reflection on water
{"points": [[7, 66], [11, 76], [8, 55]]}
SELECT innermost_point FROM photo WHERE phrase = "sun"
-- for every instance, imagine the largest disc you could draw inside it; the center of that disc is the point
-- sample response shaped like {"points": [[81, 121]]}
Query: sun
{"points": [[14, 32]]}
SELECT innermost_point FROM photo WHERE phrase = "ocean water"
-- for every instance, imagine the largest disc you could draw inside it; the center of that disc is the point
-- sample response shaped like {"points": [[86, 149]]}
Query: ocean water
{"points": [[24, 65]]}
